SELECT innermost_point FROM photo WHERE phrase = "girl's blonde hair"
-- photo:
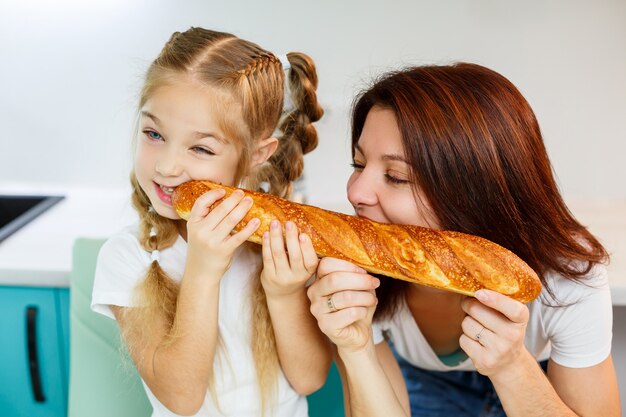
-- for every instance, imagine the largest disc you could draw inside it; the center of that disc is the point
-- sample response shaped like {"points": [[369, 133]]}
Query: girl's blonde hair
{"points": [[252, 82]]}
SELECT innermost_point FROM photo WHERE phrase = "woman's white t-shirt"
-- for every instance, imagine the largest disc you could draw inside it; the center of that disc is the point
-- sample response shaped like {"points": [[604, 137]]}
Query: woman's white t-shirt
{"points": [[575, 335], [122, 264]]}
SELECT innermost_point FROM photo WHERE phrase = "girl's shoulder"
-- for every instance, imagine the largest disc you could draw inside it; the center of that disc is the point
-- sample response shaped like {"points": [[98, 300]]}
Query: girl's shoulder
{"points": [[124, 248], [127, 235]]}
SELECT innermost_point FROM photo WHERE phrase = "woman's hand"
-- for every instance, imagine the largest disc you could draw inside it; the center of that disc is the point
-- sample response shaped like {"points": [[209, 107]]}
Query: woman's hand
{"points": [[343, 301], [285, 273], [209, 232], [493, 332]]}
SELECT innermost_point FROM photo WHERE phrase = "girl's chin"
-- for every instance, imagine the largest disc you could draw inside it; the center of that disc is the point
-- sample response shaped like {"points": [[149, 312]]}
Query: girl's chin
{"points": [[166, 211]]}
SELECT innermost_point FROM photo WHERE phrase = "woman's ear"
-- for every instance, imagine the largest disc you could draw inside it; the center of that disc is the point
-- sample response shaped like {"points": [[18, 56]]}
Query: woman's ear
{"points": [[266, 148]]}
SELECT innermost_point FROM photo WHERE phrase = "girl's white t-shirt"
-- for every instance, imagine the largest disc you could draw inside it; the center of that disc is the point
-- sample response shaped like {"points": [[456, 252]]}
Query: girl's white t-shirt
{"points": [[122, 264], [576, 334]]}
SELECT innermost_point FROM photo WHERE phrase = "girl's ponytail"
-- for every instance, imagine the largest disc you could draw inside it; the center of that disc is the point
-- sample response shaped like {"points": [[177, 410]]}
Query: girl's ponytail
{"points": [[299, 136], [157, 294]]}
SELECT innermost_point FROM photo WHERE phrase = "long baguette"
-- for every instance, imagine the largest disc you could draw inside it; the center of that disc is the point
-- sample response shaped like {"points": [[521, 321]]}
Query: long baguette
{"points": [[446, 260]]}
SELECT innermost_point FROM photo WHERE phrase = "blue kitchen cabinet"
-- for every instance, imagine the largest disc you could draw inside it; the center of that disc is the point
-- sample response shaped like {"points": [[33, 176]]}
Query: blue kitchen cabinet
{"points": [[34, 351]]}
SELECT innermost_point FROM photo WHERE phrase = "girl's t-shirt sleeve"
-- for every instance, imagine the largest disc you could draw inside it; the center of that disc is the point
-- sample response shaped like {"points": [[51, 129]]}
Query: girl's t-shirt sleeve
{"points": [[121, 265], [580, 333]]}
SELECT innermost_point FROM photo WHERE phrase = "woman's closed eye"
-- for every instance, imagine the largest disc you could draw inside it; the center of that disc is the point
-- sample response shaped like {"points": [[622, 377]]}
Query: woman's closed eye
{"points": [[395, 180], [356, 166]]}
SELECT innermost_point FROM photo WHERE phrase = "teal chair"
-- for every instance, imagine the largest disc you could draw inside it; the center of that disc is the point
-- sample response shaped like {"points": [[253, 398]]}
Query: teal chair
{"points": [[102, 382]]}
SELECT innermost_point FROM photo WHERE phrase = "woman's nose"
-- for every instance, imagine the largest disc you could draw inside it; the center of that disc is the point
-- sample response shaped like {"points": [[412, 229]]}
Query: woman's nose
{"points": [[361, 189], [168, 164]]}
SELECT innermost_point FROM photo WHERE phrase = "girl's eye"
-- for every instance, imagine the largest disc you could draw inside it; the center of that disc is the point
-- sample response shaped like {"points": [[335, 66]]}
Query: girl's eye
{"points": [[395, 180], [203, 151], [357, 166], [151, 134]]}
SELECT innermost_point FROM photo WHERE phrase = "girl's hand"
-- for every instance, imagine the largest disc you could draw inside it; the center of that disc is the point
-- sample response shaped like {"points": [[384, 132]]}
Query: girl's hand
{"points": [[211, 244], [343, 301], [493, 331], [286, 273]]}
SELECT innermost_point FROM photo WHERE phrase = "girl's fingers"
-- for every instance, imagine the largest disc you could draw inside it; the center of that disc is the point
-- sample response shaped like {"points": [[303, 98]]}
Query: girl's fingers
{"points": [[293, 246], [200, 208], [277, 245], [266, 251], [226, 222], [309, 257], [220, 211], [237, 239]]}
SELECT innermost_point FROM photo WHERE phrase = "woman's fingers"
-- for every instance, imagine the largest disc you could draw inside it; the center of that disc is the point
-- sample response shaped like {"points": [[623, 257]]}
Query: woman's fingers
{"points": [[476, 331], [510, 308], [493, 330], [484, 315], [346, 299], [329, 265], [493, 317], [333, 325], [342, 281]]}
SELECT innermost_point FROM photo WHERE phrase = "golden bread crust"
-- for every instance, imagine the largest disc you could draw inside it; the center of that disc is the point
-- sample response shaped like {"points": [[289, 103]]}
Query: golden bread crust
{"points": [[446, 260]]}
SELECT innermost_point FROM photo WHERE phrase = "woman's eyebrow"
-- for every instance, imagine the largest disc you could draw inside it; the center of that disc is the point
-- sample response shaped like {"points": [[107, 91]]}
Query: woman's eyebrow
{"points": [[385, 157], [394, 157]]}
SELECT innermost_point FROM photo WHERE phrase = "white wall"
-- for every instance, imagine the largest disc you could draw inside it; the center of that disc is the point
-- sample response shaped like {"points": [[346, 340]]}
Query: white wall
{"points": [[70, 71]]}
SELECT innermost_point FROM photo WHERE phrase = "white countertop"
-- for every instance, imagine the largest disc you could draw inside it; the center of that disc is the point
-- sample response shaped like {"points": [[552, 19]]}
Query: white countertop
{"points": [[40, 254], [607, 221]]}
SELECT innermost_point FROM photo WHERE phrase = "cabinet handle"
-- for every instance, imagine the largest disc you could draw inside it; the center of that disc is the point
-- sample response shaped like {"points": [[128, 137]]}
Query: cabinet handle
{"points": [[33, 361]]}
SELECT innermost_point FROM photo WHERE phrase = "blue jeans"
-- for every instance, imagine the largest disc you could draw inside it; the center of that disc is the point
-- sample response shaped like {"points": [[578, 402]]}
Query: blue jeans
{"points": [[451, 393]]}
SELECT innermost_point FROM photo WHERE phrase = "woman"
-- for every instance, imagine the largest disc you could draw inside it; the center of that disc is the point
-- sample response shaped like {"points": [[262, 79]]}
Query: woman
{"points": [[458, 148]]}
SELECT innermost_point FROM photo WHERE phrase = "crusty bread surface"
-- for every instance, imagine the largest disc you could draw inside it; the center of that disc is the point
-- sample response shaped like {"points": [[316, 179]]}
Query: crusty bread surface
{"points": [[446, 260]]}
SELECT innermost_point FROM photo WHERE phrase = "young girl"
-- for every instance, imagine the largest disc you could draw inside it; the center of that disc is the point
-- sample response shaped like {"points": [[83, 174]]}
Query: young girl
{"points": [[458, 148], [214, 325]]}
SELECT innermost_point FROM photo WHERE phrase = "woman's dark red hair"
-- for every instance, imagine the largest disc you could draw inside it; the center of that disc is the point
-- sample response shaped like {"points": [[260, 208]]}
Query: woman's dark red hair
{"points": [[477, 154]]}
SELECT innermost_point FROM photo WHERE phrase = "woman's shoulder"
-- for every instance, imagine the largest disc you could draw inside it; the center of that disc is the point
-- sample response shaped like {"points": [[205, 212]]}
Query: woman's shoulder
{"points": [[566, 303], [568, 290], [576, 319]]}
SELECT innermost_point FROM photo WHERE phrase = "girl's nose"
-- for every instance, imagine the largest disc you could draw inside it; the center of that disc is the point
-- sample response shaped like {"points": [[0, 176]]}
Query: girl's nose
{"points": [[168, 164], [362, 189]]}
